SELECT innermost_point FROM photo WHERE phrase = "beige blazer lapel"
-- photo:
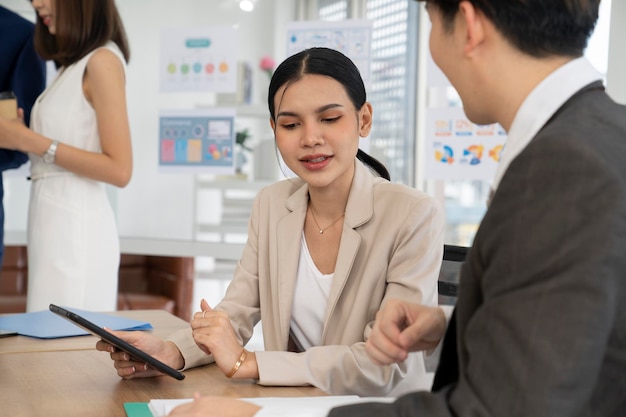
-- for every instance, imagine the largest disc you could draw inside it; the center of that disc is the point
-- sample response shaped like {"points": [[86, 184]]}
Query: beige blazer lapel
{"points": [[359, 210], [289, 243]]}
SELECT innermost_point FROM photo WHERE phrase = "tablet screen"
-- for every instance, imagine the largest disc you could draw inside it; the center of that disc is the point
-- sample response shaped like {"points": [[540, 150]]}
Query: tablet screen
{"points": [[116, 341]]}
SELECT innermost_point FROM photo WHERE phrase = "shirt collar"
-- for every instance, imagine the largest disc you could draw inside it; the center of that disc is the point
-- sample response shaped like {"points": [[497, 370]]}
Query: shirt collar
{"points": [[540, 106]]}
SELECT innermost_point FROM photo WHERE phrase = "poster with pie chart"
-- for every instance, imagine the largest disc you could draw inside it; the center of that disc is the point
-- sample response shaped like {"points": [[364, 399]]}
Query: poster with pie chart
{"points": [[198, 60], [457, 149]]}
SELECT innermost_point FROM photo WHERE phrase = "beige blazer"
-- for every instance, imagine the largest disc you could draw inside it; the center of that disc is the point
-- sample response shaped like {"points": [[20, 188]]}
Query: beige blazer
{"points": [[391, 247]]}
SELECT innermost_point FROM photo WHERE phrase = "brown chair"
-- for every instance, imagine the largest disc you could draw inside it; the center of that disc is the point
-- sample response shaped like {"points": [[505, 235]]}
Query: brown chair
{"points": [[145, 282]]}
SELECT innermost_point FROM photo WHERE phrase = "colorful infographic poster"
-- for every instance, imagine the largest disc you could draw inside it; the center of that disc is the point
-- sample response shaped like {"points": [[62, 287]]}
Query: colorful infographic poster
{"points": [[197, 141], [353, 38], [457, 149], [198, 60]]}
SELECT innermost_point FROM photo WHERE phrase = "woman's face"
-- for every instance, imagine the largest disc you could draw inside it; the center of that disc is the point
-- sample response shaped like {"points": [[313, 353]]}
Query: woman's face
{"points": [[45, 10], [317, 130]]}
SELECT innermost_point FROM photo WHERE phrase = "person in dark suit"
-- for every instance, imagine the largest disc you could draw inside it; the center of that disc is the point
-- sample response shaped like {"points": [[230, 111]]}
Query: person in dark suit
{"points": [[540, 323], [23, 72], [539, 327]]}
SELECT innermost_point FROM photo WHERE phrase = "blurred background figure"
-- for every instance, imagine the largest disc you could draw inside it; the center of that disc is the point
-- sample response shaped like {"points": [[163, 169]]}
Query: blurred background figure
{"points": [[22, 72], [78, 141]]}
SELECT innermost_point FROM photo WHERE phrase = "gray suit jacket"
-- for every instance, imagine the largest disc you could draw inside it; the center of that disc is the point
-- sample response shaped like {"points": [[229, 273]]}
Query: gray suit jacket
{"points": [[541, 313]]}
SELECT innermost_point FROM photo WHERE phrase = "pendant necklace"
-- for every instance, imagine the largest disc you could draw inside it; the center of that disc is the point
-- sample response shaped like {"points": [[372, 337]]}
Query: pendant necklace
{"points": [[322, 229]]}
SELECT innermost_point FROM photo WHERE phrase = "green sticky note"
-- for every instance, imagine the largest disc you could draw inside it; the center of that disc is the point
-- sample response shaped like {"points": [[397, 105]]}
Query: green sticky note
{"points": [[137, 410]]}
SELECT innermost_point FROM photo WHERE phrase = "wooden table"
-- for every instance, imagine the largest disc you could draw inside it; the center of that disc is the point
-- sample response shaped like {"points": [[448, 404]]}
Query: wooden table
{"points": [[76, 380], [163, 322]]}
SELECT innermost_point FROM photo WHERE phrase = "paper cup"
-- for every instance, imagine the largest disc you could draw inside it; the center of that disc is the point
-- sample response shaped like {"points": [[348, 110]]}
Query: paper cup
{"points": [[8, 108]]}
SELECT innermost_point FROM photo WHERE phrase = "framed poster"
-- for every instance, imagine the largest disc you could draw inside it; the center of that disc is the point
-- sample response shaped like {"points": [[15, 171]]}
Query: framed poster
{"points": [[198, 60], [457, 149], [197, 141]]}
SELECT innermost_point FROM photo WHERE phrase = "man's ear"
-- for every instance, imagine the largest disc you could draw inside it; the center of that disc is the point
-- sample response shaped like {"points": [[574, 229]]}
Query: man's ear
{"points": [[365, 120], [473, 21]]}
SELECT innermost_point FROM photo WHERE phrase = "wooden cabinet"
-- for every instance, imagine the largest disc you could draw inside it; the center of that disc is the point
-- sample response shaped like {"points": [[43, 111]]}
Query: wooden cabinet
{"points": [[145, 282]]}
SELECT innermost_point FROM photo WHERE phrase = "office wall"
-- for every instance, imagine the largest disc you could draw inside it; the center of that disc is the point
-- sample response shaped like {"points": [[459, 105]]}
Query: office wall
{"points": [[157, 205], [162, 205], [22, 7]]}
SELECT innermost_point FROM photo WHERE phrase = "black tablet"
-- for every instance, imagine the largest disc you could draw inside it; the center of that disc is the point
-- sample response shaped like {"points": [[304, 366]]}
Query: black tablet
{"points": [[116, 341]]}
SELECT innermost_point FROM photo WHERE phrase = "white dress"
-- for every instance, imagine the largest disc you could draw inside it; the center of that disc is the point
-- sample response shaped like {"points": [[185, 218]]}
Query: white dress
{"points": [[73, 244]]}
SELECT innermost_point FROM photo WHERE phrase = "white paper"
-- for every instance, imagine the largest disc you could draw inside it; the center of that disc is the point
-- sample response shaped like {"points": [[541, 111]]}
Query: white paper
{"points": [[279, 406]]}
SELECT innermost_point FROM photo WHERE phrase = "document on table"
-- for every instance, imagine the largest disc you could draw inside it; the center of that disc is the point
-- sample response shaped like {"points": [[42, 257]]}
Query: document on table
{"points": [[280, 406], [47, 325]]}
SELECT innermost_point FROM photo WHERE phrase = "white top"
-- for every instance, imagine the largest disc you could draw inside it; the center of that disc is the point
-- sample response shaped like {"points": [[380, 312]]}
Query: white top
{"points": [[310, 300]]}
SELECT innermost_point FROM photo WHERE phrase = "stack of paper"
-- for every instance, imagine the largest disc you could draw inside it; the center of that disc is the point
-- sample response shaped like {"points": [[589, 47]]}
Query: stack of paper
{"points": [[284, 406]]}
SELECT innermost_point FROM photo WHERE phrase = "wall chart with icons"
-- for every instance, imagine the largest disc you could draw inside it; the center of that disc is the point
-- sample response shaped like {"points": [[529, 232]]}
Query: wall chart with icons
{"points": [[198, 60], [351, 37], [457, 149], [196, 141]]}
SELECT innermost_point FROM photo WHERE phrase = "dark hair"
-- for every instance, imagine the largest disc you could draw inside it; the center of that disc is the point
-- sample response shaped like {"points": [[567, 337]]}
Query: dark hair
{"points": [[81, 27], [538, 28], [333, 64]]}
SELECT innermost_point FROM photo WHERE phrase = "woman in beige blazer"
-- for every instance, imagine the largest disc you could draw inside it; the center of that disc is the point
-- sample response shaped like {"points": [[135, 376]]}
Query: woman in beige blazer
{"points": [[324, 252]]}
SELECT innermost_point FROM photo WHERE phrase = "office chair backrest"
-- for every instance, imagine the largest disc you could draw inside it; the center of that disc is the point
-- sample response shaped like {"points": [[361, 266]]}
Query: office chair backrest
{"points": [[453, 258]]}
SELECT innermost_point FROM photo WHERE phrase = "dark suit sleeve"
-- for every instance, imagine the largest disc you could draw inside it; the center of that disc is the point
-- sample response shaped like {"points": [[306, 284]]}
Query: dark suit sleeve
{"points": [[540, 308], [28, 80], [29, 77], [418, 404], [11, 159]]}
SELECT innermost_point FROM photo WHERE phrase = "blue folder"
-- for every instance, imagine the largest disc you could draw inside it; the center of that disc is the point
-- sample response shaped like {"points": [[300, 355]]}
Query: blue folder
{"points": [[47, 325]]}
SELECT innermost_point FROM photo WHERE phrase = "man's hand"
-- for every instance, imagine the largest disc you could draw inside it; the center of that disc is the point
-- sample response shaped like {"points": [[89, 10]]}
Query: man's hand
{"points": [[403, 327], [215, 406]]}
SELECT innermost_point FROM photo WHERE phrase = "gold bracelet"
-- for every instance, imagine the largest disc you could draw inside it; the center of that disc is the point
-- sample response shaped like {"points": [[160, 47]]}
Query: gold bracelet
{"points": [[235, 368]]}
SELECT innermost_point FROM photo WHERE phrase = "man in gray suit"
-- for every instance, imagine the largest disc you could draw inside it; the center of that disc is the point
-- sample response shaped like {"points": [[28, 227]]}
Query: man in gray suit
{"points": [[540, 323], [539, 328]]}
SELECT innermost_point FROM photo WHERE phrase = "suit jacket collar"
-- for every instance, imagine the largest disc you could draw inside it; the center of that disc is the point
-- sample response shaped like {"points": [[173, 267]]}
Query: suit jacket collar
{"points": [[540, 105]]}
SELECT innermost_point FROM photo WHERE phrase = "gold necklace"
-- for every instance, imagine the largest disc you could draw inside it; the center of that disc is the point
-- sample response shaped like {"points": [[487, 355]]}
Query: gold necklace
{"points": [[322, 229]]}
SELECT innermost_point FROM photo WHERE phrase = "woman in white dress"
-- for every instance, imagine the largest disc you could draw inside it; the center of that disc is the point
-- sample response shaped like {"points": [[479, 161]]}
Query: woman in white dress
{"points": [[80, 141]]}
